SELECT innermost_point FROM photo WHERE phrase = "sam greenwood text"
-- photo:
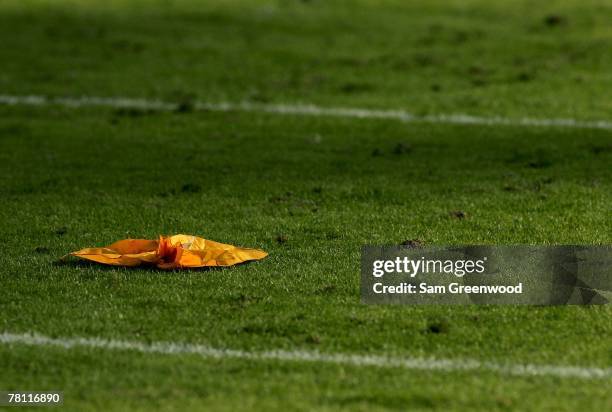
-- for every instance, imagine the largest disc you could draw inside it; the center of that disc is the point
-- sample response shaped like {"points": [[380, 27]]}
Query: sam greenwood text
{"points": [[455, 288]]}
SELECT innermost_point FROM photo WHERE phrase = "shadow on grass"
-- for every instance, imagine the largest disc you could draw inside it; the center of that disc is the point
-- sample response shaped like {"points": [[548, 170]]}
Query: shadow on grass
{"points": [[84, 264]]}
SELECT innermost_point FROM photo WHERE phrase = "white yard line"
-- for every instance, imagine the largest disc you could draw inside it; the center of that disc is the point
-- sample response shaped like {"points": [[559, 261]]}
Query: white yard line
{"points": [[410, 363], [301, 110]]}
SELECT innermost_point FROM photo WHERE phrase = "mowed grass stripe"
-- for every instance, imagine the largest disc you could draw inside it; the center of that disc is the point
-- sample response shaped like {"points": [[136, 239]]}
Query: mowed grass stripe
{"points": [[300, 110], [428, 364]]}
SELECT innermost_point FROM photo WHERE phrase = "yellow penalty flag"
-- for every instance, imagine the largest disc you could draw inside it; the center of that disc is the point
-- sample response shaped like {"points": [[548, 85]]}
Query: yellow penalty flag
{"points": [[171, 252]]}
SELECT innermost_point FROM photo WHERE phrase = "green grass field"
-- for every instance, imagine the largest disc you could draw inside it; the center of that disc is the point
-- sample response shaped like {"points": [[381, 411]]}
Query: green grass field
{"points": [[310, 190]]}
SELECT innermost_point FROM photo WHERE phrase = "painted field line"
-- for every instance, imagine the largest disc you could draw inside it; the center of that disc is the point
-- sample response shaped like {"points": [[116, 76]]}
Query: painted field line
{"points": [[301, 110], [426, 364]]}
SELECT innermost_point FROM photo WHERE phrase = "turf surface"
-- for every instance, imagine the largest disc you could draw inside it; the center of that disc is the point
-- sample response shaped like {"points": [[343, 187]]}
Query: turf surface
{"points": [[309, 190]]}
